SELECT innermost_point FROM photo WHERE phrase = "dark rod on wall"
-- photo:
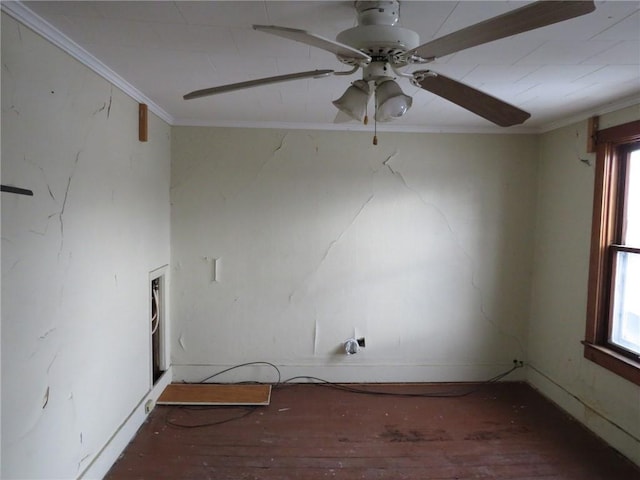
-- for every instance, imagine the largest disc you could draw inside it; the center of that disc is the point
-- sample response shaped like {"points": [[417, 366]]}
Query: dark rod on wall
{"points": [[19, 191]]}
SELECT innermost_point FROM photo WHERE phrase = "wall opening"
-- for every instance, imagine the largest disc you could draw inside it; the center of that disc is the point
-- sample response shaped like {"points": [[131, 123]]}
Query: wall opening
{"points": [[158, 327]]}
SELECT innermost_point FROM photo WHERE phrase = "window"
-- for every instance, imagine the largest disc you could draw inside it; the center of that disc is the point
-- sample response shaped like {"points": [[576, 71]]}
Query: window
{"points": [[625, 319], [613, 311]]}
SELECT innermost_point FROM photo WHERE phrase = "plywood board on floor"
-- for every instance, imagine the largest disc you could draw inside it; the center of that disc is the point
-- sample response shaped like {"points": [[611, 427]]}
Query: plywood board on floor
{"points": [[215, 394]]}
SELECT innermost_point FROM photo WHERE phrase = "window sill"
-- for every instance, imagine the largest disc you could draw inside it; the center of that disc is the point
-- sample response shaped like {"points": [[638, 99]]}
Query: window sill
{"points": [[613, 361]]}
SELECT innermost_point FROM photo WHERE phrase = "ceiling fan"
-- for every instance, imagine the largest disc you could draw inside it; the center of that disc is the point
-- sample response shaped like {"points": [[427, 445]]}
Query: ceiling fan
{"points": [[382, 49]]}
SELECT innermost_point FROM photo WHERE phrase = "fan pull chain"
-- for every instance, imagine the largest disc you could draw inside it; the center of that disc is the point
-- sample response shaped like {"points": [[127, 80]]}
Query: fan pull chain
{"points": [[375, 119]]}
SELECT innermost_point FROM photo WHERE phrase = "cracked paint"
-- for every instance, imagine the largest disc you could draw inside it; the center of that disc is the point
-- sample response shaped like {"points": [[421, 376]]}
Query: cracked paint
{"points": [[82, 460], [56, 312], [263, 165], [586, 159], [42, 173], [332, 239], [342, 233], [101, 109], [10, 82], [387, 162], [45, 399], [46, 227], [471, 262], [53, 360], [281, 146], [332, 244], [110, 101], [47, 333], [14, 265], [64, 202], [398, 175], [316, 332]]}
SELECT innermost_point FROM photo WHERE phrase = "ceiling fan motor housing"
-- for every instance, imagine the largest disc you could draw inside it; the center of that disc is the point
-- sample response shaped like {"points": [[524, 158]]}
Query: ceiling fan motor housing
{"points": [[380, 41], [378, 34]]}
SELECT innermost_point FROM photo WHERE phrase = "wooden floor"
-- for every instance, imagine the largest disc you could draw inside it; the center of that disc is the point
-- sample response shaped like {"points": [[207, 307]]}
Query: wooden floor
{"points": [[502, 431]]}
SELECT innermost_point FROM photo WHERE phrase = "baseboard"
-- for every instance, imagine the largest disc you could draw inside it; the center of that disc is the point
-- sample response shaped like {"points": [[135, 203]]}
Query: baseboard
{"points": [[597, 422], [357, 373], [125, 432]]}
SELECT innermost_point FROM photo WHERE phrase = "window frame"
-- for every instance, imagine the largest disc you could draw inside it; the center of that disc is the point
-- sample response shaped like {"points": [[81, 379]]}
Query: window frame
{"points": [[613, 145]]}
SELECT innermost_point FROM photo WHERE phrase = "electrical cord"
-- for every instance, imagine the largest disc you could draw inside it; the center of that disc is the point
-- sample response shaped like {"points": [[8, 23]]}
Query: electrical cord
{"points": [[444, 394], [322, 383], [244, 365], [156, 317], [173, 423]]}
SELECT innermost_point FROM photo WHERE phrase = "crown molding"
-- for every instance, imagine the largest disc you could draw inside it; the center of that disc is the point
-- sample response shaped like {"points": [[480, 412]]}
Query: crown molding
{"points": [[595, 111], [354, 127], [19, 11]]}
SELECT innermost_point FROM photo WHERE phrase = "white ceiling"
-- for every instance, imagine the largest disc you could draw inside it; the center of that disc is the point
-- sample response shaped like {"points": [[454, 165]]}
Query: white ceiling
{"points": [[168, 48]]}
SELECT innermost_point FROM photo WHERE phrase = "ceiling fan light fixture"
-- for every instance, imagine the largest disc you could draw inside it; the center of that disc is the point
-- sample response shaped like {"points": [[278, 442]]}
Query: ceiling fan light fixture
{"points": [[354, 100], [391, 101]]}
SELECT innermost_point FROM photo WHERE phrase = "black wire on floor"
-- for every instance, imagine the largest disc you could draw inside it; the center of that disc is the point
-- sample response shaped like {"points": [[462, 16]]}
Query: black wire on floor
{"points": [[248, 364], [248, 410], [443, 394]]}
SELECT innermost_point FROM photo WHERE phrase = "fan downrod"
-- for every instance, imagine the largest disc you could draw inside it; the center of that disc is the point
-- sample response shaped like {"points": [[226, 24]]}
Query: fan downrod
{"points": [[378, 12]]}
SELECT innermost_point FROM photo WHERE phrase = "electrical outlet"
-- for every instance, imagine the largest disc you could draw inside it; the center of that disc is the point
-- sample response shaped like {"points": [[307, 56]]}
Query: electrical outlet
{"points": [[518, 363], [148, 406]]}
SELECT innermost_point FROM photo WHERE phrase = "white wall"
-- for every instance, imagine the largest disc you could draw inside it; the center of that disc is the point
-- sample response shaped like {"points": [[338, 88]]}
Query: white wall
{"points": [[422, 245], [75, 257], [606, 403]]}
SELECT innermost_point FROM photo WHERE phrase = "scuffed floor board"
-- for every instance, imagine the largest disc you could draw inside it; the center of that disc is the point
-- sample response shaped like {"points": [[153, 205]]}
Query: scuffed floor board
{"points": [[215, 394]]}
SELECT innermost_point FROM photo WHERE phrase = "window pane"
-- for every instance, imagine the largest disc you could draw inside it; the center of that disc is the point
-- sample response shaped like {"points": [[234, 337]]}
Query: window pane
{"points": [[632, 218], [625, 330]]}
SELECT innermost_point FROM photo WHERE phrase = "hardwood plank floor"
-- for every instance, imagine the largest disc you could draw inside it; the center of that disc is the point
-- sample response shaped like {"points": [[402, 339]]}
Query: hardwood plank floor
{"points": [[502, 431]]}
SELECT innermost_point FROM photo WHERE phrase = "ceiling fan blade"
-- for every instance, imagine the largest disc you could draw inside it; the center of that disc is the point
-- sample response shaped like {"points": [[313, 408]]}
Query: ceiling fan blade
{"points": [[314, 40], [523, 19], [256, 83], [480, 103]]}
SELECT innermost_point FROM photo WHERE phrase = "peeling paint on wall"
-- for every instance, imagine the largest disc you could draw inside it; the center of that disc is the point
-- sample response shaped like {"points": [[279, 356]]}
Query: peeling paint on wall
{"points": [[316, 333], [45, 399], [331, 245], [75, 257], [412, 241], [64, 202]]}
